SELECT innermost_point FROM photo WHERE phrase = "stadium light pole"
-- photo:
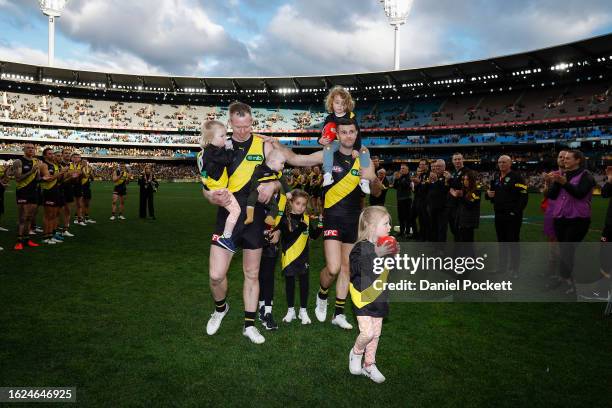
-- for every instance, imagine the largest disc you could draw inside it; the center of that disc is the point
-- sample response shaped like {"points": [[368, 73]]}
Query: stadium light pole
{"points": [[52, 9], [397, 12]]}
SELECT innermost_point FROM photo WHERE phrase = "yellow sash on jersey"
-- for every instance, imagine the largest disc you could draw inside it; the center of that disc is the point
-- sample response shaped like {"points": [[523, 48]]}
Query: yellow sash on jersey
{"points": [[85, 177], [122, 178], [210, 183], [369, 294], [344, 187], [282, 203], [296, 249], [48, 185], [23, 183], [243, 173]]}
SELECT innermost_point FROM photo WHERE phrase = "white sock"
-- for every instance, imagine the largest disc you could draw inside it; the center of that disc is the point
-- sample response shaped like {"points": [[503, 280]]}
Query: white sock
{"points": [[261, 303], [303, 310], [291, 309], [268, 309]]}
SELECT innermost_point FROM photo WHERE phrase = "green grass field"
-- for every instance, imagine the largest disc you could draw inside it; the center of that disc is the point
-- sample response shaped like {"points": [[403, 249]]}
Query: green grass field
{"points": [[119, 312]]}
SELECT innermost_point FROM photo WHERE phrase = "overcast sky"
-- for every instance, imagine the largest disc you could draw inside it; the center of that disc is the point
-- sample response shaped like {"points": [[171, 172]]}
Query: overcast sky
{"points": [[296, 37]]}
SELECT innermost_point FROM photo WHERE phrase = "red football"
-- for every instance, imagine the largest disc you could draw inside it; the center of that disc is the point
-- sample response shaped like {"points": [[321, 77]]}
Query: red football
{"points": [[329, 131], [388, 240]]}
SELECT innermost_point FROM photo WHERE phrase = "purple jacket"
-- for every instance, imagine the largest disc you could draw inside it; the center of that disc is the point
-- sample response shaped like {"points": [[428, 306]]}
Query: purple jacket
{"points": [[573, 200]]}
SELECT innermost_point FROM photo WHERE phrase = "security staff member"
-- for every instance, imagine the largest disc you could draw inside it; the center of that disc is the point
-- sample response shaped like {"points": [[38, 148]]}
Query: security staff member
{"points": [[402, 185], [420, 219], [455, 193], [436, 201], [508, 193]]}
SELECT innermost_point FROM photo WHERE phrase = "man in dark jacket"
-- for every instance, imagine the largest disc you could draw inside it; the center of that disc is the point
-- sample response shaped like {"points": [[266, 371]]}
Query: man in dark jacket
{"points": [[402, 184], [508, 193], [420, 182], [436, 201]]}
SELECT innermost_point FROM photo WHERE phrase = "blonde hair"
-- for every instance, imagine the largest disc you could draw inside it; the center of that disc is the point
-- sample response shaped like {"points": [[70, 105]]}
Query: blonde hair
{"points": [[368, 218], [208, 131], [337, 90]]}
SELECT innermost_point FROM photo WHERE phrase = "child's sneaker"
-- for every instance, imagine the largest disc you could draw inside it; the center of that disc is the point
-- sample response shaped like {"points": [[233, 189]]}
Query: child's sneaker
{"points": [[321, 309], [303, 316], [227, 243], [269, 323], [289, 316], [355, 362], [365, 186], [372, 373], [327, 179]]}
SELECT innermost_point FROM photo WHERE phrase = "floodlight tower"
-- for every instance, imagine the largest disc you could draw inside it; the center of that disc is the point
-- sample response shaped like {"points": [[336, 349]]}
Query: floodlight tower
{"points": [[397, 12], [52, 9]]}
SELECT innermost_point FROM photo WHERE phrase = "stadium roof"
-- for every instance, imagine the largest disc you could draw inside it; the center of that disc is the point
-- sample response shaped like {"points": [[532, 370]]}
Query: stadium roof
{"points": [[544, 59]]}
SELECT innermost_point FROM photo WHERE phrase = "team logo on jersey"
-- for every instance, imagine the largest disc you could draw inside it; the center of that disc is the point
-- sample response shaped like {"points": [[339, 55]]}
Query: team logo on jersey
{"points": [[254, 157], [337, 169], [355, 172], [330, 233], [215, 237]]}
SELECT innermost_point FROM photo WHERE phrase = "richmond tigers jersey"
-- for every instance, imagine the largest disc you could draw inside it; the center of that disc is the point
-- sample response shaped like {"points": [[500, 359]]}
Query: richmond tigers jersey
{"points": [[30, 182], [247, 155], [343, 197]]}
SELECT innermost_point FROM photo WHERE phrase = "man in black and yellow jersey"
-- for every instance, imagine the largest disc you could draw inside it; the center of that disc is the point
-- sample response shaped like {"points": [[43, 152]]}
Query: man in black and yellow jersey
{"points": [[26, 171], [342, 206], [49, 175], [250, 151], [121, 178], [67, 191], [76, 172], [87, 177]]}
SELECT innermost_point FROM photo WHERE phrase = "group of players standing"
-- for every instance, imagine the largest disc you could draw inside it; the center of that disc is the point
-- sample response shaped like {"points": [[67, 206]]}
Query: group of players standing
{"points": [[60, 183]]}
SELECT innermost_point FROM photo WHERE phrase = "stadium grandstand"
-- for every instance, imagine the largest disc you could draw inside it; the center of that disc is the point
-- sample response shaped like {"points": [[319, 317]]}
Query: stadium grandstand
{"points": [[524, 105]]}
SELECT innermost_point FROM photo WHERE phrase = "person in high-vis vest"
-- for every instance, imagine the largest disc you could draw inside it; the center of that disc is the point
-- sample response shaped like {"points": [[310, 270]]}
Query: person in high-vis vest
{"points": [[296, 230], [26, 171], [121, 178], [250, 151], [342, 206]]}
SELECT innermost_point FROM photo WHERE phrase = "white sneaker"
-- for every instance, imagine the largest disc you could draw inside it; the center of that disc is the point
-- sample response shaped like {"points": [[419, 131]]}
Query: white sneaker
{"points": [[67, 234], [321, 309], [76, 222], [55, 241], [303, 316], [38, 230], [290, 316], [253, 334], [121, 217], [327, 180], [372, 373], [1, 249], [365, 186], [82, 223], [3, 229], [90, 221], [32, 232], [49, 241], [341, 322], [355, 362], [215, 321]]}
